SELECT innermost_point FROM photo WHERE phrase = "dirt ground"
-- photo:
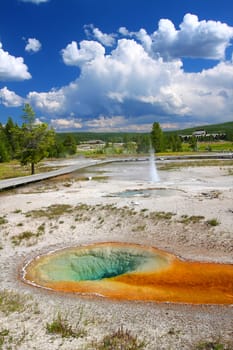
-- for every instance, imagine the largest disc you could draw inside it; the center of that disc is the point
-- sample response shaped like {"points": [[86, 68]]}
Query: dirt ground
{"points": [[191, 217]]}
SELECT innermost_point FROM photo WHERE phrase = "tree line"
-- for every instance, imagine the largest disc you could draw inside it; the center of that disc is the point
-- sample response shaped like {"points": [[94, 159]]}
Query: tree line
{"points": [[32, 142]]}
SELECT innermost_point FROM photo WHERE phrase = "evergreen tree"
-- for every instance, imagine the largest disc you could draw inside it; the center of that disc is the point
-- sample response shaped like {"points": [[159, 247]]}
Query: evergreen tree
{"points": [[57, 149], [157, 139], [36, 139], [175, 143], [193, 143], [4, 152], [143, 143], [12, 132], [69, 144]]}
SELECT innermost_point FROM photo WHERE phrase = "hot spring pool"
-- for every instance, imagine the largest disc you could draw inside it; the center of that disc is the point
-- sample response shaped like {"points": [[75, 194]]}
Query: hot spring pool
{"points": [[131, 272]]}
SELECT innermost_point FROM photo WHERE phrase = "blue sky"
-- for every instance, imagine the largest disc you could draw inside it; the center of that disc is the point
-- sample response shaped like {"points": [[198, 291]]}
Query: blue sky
{"points": [[107, 65]]}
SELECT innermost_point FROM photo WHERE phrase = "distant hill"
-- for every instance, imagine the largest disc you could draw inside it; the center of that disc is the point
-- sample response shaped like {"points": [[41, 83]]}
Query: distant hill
{"points": [[224, 128], [104, 136]]}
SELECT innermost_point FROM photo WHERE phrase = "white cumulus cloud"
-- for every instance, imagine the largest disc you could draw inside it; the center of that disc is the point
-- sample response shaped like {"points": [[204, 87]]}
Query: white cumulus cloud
{"points": [[129, 82], [10, 98], [65, 124], [33, 45], [142, 79], [11, 67], [196, 39], [88, 51], [96, 33], [193, 39], [37, 2], [50, 102]]}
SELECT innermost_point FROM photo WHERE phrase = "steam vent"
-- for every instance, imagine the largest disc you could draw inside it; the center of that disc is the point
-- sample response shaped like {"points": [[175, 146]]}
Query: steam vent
{"points": [[131, 272]]}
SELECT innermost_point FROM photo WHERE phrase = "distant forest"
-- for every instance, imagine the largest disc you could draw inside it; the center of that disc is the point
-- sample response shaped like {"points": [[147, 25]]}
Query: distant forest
{"points": [[30, 142], [124, 137], [224, 128]]}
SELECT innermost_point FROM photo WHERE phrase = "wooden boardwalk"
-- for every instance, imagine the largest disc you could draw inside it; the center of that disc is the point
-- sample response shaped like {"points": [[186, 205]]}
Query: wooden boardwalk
{"points": [[19, 181], [24, 180]]}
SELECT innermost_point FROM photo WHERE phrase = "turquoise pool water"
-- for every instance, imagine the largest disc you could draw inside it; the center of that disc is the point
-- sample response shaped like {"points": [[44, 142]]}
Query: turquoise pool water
{"points": [[97, 263]]}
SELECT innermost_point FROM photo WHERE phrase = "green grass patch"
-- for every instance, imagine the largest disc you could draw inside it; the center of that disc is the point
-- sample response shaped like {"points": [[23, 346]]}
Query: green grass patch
{"points": [[15, 169], [51, 212], [195, 163], [230, 172], [185, 219], [217, 146], [161, 215], [27, 235], [12, 302], [24, 236], [213, 345]]}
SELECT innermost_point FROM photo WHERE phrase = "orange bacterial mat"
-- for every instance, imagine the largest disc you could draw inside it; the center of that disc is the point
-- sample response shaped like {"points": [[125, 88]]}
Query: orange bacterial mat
{"points": [[131, 272]]}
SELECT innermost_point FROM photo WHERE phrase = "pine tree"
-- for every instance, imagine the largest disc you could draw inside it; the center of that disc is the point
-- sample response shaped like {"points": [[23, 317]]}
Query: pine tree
{"points": [[36, 139], [157, 139]]}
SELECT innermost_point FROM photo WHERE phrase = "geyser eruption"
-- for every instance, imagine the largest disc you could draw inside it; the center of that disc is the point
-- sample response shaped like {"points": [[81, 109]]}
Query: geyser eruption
{"points": [[154, 177], [131, 272]]}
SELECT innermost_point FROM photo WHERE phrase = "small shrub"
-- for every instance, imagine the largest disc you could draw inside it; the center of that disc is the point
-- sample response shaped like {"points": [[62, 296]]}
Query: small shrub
{"points": [[40, 229], [139, 228], [3, 334], [121, 339], [17, 211], [67, 184], [3, 220], [61, 326], [213, 222]]}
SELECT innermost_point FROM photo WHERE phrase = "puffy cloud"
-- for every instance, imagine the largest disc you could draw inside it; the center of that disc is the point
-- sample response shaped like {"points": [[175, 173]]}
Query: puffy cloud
{"points": [[193, 39], [96, 33], [89, 50], [11, 67], [33, 45], [106, 123], [130, 83], [209, 94], [111, 82], [10, 98], [142, 80], [196, 39], [66, 124], [50, 102], [37, 2], [115, 124]]}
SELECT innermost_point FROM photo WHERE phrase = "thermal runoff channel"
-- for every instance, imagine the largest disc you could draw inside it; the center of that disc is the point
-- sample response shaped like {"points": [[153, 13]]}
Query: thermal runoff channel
{"points": [[131, 272]]}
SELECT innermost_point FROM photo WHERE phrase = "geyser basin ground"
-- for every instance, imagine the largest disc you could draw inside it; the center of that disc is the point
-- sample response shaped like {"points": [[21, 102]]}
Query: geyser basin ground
{"points": [[147, 192], [131, 272]]}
